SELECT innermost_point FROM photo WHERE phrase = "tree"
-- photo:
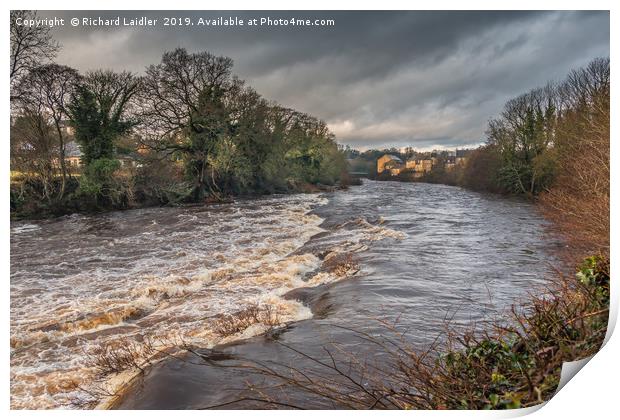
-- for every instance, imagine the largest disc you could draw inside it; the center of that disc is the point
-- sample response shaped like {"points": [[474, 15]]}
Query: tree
{"points": [[208, 138], [185, 111], [311, 148], [578, 201], [45, 91], [34, 147], [31, 46], [481, 169], [523, 135], [172, 90], [189, 108], [99, 112], [255, 142]]}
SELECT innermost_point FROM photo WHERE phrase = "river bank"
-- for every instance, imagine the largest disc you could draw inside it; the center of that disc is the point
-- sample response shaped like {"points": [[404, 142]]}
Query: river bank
{"points": [[42, 213]]}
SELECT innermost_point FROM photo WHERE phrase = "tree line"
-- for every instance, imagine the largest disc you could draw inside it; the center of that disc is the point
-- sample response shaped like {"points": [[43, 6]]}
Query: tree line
{"points": [[553, 144], [194, 130], [535, 143]]}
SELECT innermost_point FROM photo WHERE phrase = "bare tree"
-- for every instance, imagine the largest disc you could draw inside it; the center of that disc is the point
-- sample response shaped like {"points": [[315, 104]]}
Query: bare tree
{"points": [[113, 91], [185, 108], [173, 87], [579, 199], [47, 90], [31, 46], [33, 150]]}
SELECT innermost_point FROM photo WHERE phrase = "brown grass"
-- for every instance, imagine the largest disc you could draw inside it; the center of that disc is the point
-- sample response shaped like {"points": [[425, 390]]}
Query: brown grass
{"points": [[227, 325], [119, 356], [341, 265]]}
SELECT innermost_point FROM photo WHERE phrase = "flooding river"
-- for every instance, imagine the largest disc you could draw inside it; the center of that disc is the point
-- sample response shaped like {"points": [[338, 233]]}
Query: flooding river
{"points": [[410, 253]]}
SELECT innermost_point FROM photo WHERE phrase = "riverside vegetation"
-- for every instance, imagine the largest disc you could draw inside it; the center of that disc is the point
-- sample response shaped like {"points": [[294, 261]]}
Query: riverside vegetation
{"points": [[195, 132], [188, 130]]}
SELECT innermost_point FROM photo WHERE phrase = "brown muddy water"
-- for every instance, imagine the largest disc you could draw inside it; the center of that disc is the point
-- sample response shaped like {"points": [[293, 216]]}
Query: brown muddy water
{"points": [[417, 253]]}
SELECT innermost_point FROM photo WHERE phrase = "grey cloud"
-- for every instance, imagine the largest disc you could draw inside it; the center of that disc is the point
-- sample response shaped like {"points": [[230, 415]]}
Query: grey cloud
{"points": [[415, 78]]}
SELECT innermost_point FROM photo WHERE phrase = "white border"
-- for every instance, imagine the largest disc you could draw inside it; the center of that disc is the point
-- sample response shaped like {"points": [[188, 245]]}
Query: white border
{"points": [[592, 394]]}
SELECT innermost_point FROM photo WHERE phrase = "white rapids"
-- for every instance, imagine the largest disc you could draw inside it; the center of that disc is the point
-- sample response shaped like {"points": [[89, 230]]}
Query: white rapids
{"points": [[83, 283]]}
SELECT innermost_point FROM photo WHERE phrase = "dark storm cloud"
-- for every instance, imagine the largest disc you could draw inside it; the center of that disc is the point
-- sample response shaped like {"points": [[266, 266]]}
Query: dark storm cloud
{"points": [[426, 79]]}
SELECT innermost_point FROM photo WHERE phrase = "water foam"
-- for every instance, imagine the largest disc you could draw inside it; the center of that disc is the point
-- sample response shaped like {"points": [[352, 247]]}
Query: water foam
{"points": [[159, 276]]}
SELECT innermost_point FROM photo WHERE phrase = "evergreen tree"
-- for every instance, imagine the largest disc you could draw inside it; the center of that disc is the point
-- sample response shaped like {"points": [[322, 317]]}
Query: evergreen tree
{"points": [[98, 112]]}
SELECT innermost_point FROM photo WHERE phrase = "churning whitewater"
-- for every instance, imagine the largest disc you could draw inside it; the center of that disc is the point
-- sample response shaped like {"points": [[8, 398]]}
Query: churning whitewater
{"points": [[157, 278]]}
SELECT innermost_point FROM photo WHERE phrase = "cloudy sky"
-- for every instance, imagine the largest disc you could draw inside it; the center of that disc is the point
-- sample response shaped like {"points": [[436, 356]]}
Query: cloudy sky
{"points": [[379, 79]]}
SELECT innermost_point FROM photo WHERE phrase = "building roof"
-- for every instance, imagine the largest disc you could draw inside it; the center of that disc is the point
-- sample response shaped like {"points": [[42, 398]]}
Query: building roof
{"points": [[72, 149], [130, 156], [392, 157]]}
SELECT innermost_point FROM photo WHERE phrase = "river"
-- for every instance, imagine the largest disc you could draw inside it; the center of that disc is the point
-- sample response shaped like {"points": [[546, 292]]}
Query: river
{"points": [[410, 253]]}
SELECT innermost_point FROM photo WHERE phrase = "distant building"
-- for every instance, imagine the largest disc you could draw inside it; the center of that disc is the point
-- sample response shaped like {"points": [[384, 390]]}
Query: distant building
{"points": [[461, 157], [73, 154], [73, 157], [389, 162], [450, 163], [417, 164], [420, 165], [130, 160]]}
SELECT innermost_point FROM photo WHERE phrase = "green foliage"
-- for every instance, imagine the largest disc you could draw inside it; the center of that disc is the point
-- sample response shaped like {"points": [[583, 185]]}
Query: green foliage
{"points": [[208, 128], [100, 187], [195, 115], [97, 112], [232, 167], [523, 135], [494, 363], [594, 274], [225, 155], [86, 121], [95, 130], [522, 367]]}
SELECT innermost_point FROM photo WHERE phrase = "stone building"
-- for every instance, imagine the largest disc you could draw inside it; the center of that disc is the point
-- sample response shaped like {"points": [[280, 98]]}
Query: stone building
{"points": [[389, 162]]}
